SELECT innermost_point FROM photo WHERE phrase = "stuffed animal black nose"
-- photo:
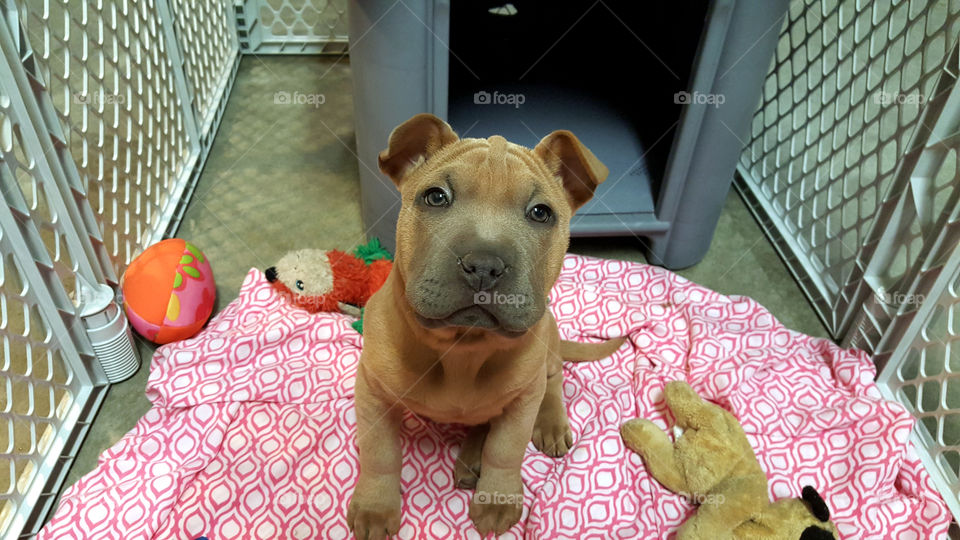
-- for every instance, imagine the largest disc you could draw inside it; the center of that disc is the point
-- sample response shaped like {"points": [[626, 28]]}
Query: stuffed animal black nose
{"points": [[271, 274], [816, 502], [816, 533]]}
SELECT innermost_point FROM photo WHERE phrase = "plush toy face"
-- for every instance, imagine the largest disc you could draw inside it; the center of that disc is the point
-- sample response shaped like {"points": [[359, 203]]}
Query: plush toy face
{"points": [[305, 273], [801, 518], [816, 507]]}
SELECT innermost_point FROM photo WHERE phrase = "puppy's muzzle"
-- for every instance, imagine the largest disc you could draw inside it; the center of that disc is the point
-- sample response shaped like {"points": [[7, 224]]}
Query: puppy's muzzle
{"points": [[481, 270]]}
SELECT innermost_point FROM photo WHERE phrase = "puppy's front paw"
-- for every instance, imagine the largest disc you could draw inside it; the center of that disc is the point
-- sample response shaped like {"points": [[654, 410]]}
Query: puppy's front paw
{"points": [[495, 511], [374, 514], [552, 435], [466, 471]]}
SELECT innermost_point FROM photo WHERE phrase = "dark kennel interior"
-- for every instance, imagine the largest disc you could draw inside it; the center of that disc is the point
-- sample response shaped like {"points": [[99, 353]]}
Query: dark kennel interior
{"points": [[608, 75]]}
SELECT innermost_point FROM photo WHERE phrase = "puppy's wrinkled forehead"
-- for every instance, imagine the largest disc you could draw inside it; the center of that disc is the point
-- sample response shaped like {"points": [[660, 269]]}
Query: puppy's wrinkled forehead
{"points": [[424, 143], [496, 153], [494, 167]]}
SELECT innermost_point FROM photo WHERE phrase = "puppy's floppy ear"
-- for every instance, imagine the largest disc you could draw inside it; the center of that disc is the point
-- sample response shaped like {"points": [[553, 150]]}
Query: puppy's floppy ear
{"points": [[574, 163], [413, 141]]}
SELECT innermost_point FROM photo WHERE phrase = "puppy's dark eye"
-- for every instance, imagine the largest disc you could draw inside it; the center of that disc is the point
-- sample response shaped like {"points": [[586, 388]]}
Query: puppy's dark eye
{"points": [[436, 197], [299, 284], [540, 213]]}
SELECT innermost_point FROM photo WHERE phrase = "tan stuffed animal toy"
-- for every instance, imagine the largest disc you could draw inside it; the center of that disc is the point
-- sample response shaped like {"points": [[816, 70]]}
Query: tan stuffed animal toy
{"points": [[713, 464]]}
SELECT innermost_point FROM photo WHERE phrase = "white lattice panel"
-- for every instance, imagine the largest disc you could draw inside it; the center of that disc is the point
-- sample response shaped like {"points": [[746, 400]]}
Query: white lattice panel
{"points": [[293, 26], [841, 101], [208, 45], [924, 369], [107, 113], [904, 250], [108, 71], [852, 169], [27, 195], [35, 392], [40, 391]]}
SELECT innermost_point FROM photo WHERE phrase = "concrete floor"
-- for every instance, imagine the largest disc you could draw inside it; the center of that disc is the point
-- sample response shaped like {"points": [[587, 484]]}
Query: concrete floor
{"points": [[281, 177]]}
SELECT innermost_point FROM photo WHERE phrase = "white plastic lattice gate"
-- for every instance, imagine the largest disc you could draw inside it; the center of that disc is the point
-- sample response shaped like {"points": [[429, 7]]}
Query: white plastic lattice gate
{"points": [[107, 111], [852, 169], [292, 26]]}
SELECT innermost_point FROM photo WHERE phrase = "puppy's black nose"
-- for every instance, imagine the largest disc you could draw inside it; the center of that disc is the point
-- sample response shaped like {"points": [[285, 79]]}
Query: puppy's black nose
{"points": [[481, 270], [271, 274]]}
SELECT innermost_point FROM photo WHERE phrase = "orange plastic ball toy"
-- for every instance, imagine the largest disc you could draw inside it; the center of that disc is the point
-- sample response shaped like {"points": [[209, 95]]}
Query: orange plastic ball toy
{"points": [[168, 291]]}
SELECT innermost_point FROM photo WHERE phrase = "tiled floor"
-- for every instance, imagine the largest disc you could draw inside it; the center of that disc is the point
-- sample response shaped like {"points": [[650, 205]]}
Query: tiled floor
{"points": [[281, 177]]}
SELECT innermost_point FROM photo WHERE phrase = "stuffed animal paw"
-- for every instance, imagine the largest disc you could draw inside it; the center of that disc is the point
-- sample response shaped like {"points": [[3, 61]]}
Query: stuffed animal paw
{"points": [[712, 464]]}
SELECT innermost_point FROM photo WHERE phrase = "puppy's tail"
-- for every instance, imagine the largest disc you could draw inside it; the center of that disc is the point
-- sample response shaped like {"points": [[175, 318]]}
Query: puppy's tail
{"points": [[574, 351]]}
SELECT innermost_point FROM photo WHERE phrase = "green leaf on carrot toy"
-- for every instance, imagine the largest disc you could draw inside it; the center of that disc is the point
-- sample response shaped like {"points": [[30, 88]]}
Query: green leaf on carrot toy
{"points": [[358, 324], [372, 251]]}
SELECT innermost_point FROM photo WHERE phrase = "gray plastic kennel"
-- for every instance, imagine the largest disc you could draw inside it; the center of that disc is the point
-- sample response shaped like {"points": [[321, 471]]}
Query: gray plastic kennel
{"points": [[663, 97]]}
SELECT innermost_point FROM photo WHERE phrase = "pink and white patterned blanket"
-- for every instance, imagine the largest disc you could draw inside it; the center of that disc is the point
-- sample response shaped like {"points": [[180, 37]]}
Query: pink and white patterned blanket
{"points": [[252, 430]]}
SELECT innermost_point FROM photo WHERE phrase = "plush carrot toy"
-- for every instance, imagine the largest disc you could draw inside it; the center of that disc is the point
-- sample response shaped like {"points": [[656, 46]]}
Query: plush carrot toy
{"points": [[332, 280]]}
